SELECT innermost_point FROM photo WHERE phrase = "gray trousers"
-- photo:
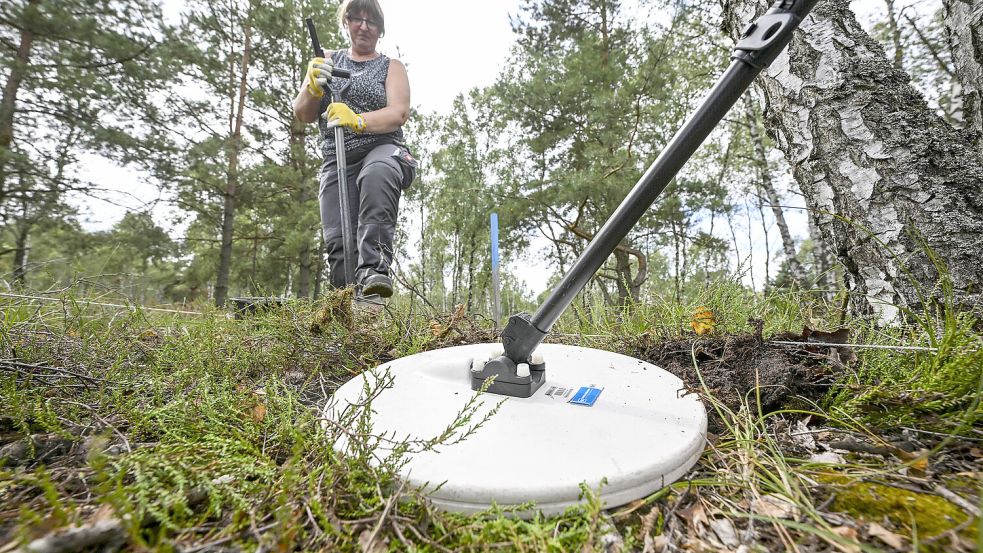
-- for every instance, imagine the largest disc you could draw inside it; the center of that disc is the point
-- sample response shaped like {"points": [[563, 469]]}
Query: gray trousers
{"points": [[376, 178]]}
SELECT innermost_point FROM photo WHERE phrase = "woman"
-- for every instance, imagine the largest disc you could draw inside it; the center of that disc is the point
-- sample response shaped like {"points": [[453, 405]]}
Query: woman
{"points": [[375, 103]]}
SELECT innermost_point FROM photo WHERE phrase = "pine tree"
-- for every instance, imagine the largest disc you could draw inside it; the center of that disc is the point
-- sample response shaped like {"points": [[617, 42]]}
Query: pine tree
{"points": [[81, 80], [593, 96]]}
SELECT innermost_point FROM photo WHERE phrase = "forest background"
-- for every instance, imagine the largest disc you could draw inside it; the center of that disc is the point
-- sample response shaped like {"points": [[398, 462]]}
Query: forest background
{"points": [[814, 273], [199, 108]]}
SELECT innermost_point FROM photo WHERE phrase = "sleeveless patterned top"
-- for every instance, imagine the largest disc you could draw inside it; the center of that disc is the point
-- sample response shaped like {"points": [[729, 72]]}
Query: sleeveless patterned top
{"points": [[365, 91]]}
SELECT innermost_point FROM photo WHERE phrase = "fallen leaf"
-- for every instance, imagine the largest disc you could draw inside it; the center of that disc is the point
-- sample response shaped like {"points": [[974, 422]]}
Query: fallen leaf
{"points": [[842, 358], [726, 532], [258, 408], [802, 436], [695, 517], [630, 508], [838, 336], [104, 512], [849, 533], [259, 412], [370, 544], [775, 506], [648, 522], [827, 457], [437, 329], [703, 321], [658, 544], [885, 535]]}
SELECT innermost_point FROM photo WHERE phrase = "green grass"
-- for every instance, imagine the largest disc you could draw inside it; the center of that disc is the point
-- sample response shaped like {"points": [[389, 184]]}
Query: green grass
{"points": [[224, 442]]}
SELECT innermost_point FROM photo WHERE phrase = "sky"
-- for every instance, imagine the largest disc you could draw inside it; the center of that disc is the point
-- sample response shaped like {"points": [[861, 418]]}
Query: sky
{"points": [[447, 52]]}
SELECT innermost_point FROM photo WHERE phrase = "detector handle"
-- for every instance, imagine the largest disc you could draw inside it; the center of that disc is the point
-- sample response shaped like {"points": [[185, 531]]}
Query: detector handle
{"points": [[760, 43], [319, 51]]}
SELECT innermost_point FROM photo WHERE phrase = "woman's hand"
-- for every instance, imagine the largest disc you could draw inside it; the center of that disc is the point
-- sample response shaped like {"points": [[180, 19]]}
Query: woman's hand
{"points": [[340, 115], [318, 76]]}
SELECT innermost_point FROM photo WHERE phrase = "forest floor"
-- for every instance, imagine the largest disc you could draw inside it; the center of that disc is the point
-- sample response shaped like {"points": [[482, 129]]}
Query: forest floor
{"points": [[139, 430]]}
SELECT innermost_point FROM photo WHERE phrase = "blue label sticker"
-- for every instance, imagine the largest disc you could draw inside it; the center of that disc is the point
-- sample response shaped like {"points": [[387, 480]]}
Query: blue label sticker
{"points": [[586, 396]]}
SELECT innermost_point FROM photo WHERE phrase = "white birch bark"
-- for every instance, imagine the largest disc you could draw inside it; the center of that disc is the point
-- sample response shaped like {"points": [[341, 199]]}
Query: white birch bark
{"points": [[768, 187], [887, 179], [964, 30]]}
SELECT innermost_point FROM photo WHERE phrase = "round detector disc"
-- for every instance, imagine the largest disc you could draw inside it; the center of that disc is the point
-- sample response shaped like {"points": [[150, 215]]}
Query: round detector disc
{"points": [[621, 426]]}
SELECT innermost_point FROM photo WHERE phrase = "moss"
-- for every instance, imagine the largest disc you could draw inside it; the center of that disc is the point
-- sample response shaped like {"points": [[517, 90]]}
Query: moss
{"points": [[968, 485], [909, 511], [336, 306]]}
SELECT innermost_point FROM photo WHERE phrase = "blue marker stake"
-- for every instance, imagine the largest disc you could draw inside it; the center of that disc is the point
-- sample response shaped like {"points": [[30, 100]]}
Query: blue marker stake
{"points": [[496, 283]]}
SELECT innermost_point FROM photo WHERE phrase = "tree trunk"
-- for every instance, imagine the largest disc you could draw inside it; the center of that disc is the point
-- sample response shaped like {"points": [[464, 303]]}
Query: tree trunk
{"points": [[892, 184], [895, 31], [768, 187], [472, 251], [21, 250], [630, 287], [964, 29], [821, 258], [319, 268], [305, 264], [622, 272], [232, 182], [10, 88], [677, 285], [304, 273]]}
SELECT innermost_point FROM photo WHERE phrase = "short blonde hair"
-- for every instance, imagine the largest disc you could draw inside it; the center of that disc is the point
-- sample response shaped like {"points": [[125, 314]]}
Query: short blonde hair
{"points": [[371, 7]]}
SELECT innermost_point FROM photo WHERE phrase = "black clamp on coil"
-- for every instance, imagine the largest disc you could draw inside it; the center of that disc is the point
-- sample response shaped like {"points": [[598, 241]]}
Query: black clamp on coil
{"points": [[756, 47], [516, 373]]}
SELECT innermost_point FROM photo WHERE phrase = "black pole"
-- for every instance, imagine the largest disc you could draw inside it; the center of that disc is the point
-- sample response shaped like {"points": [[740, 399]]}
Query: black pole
{"points": [[347, 232], [760, 44], [341, 166]]}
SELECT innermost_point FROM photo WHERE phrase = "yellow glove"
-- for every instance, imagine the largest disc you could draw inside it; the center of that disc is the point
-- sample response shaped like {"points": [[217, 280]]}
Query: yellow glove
{"points": [[318, 76], [340, 115]]}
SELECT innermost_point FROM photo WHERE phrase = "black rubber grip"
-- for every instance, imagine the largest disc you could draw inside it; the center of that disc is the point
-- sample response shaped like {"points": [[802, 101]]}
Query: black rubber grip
{"points": [[315, 43], [343, 73]]}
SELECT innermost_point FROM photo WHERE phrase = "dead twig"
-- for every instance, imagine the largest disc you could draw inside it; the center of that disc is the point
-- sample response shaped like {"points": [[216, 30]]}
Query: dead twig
{"points": [[857, 346], [403, 282], [957, 499], [429, 541], [210, 545], [126, 443], [59, 371], [99, 304], [108, 533], [385, 512]]}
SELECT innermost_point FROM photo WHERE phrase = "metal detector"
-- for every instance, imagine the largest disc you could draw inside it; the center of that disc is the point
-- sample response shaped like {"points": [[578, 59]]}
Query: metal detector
{"points": [[602, 421], [760, 44], [341, 165]]}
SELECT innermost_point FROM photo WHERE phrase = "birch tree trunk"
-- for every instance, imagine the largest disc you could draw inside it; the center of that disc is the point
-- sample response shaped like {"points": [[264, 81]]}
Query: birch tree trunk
{"points": [[964, 29], [891, 183], [768, 187], [825, 277]]}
